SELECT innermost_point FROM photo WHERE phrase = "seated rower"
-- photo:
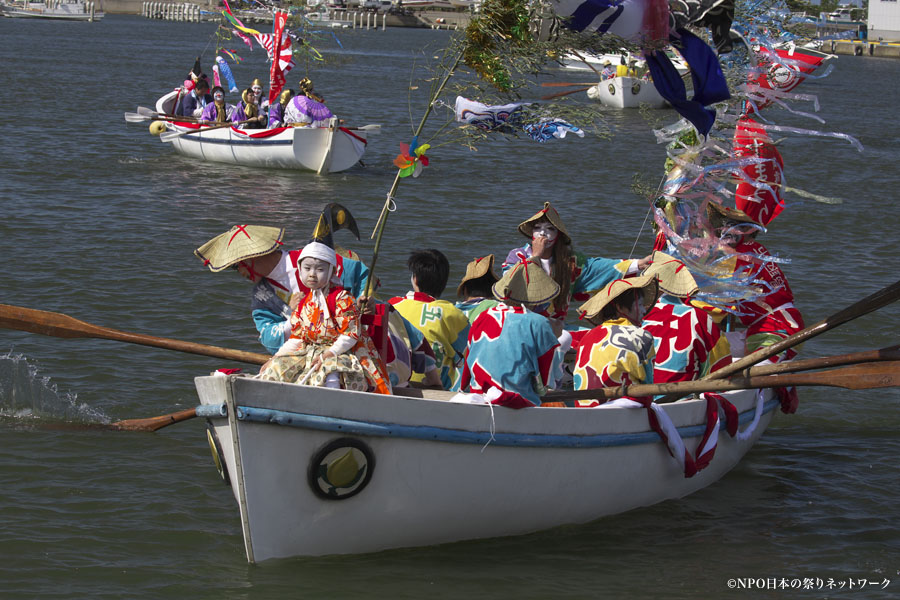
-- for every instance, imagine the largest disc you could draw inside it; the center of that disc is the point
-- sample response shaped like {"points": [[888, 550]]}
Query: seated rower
{"points": [[307, 108], [474, 290], [217, 112], [512, 357], [686, 339], [617, 351], [193, 102], [247, 111], [327, 347], [276, 109]]}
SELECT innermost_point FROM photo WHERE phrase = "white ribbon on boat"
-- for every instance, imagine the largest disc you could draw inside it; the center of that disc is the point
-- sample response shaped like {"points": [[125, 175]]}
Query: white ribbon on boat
{"points": [[743, 436]]}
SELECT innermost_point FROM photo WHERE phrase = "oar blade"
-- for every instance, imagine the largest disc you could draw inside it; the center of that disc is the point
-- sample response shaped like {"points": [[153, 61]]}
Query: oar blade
{"points": [[43, 323], [867, 376], [143, 110], [154, 423], [136, 118]]}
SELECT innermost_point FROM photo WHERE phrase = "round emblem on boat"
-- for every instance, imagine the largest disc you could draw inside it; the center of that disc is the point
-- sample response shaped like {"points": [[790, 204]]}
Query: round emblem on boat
{"points": [[780, 76], [612, 89], [341, 469], [216, 450], [636, 88]]}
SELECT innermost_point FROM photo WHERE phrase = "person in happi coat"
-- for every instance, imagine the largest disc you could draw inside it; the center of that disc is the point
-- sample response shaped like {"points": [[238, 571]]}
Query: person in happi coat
{"points": [[327, 346], [576, 274], [512, 357], [617, 351], [474, 291], [444, 326], [687, 341], [248, 110], [193, 102], [217, 111], [256, 253], [307, 108], [276, 109]]}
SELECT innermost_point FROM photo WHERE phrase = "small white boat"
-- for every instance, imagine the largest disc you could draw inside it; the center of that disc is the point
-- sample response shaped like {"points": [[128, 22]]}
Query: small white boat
{"points": [[626, 92], [318, 471], [586, 61], [329, 149], [66, 10]]}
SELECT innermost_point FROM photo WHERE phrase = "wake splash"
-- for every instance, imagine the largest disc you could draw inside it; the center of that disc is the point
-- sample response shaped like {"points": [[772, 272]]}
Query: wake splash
{"points": [[26, 395]]}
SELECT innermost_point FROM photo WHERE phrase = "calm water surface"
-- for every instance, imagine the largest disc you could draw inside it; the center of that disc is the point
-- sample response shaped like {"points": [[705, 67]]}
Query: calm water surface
{"points": [[100, 220]]}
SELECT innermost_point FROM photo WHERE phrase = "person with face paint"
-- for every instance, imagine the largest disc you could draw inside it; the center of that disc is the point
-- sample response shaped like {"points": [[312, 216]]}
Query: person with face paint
{"points": [[248, 110], [217, 111], [256, 253], [617, 351], [326, 347], [576, 274]]}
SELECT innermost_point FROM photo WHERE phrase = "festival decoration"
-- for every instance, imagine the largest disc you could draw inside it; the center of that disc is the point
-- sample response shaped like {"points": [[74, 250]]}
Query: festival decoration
{"points": [[225, 71], [759, 192], [510, 116], [411, 163], [280, 64]]}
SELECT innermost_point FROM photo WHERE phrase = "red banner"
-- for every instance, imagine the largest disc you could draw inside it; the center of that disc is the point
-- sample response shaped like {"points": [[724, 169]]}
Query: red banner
{"points": [[276, 74]]}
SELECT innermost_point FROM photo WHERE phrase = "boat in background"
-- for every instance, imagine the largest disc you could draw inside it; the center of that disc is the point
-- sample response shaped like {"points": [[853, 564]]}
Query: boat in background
{"points": [[65, 10], [318, 471], [586, 61], [627, 92]]}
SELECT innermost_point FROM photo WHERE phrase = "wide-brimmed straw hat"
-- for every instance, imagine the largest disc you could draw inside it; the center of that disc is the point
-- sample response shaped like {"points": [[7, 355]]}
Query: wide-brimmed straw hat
{"points": [[526, 228], [674, 277], [478, 268], [648, 284], [241, 242], [526, 283], [718, 215]]}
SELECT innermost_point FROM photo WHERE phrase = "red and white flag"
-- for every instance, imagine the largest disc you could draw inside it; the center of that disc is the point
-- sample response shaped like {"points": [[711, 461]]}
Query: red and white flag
{"points": [[278, 47], [759, 193]]}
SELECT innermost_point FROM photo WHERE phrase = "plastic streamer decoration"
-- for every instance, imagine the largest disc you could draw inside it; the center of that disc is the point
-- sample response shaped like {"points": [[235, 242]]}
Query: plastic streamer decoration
{"points": [[225, 71], [509, 116]]}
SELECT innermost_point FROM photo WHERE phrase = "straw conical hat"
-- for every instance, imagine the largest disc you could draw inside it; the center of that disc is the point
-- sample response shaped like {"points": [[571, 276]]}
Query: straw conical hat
{"points": [[591, 309], [526, 228], [526, 283], [239, 243], [478, 268], [717, 214], [674, 277]]}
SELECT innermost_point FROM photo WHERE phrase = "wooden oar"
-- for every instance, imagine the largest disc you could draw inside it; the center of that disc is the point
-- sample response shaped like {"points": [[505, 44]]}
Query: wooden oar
{"points": [[561, 84], [154, 423], [139, 118], [168, 136], [793, 366], [64, 326], [566, 93], [859, 377]]}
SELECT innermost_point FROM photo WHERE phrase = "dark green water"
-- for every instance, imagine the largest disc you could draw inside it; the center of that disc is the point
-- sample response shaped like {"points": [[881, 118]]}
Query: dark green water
{"points": [[99, 221]]}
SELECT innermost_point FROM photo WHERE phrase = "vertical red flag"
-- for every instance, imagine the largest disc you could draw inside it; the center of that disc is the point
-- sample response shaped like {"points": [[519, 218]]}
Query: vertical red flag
{"points": [[752, 141], [276, 75]]}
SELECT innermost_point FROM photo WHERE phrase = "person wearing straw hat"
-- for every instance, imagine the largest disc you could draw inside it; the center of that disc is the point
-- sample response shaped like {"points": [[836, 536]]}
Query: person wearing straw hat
{"points": [[276, 109], [512, 357], [771, 316], [687, 342], [608, 71], [255, 252], [444, 326], [307, 108], [248, 110], [576, 274], [474, 290], [327, 346], [617, 351]]}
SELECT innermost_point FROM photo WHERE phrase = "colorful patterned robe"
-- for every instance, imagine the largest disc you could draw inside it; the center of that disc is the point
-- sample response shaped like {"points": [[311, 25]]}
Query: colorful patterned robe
{"points": [[444, 326], [588, 276], [510, 349], [360, 368], [687, 342], [302, 109], [475, 306], [613, 354], [773, 317]]}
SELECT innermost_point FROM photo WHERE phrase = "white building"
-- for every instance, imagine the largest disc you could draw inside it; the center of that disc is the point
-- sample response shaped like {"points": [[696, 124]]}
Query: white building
{"points": [[884, 20]]}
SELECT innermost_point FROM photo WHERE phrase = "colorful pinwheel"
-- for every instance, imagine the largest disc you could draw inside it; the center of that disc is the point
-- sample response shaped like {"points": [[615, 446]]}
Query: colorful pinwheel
{"points": [[411, 164]]}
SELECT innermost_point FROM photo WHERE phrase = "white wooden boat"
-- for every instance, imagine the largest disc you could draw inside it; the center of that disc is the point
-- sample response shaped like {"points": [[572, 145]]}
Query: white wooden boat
{"points": [[66, 10], [318, 471], [587, 61], [626, 92], [328, 149]]}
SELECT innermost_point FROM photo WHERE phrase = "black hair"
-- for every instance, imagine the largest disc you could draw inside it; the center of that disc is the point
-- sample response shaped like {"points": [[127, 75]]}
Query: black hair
{"points": [[625, 300], [480, 287], [201, 83], [431, 270]]}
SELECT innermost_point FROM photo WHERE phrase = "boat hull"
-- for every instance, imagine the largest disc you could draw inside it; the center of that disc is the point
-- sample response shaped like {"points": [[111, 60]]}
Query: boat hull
{"points": [[67, 11], [438, 471], [626, 92]]}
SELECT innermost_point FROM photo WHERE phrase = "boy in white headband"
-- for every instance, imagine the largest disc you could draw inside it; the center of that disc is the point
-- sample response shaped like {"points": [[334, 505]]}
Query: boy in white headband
{"points": [[327, 346]]}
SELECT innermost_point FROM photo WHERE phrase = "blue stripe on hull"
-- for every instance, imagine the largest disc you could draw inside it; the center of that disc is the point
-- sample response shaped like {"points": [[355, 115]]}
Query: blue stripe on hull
{"points": [[248, 142]]}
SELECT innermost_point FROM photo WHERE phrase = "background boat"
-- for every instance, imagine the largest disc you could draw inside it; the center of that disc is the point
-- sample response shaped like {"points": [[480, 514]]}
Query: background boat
{"points": [[67, 10], [626, 92]]}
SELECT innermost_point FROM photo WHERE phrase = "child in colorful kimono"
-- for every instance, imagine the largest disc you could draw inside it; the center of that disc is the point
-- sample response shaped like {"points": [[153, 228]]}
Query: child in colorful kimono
{"points": [[444, 326], [475, 287], [686, 339], [326, 347], [512, 357], [617, 351], [576, 274]]}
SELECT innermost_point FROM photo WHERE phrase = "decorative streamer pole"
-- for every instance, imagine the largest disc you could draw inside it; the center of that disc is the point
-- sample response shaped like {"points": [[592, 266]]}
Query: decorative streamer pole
{"points": [[382, 218]]}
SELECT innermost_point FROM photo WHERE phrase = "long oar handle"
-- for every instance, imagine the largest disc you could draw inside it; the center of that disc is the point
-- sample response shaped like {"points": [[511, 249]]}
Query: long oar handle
{"points": [[154, 423], [566, 93], [64, 326], [562, 84], [859, 377], [868, 304], [889, 353]]}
